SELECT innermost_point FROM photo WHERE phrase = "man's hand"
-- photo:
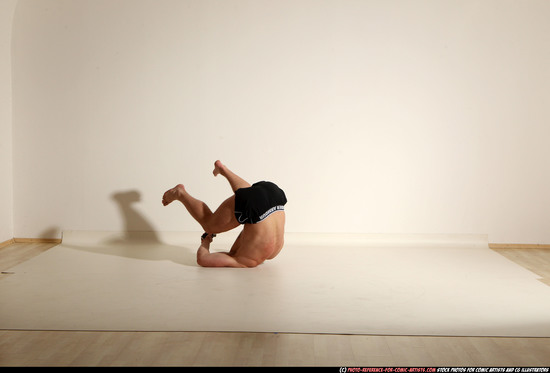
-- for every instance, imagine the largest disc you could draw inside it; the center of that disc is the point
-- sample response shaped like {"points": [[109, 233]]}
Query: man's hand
{"points": [[206, 239]]}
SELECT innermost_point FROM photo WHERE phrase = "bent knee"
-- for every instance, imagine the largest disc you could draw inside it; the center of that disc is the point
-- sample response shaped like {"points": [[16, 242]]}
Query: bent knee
{"points": [[210, 226], [217, 227]]}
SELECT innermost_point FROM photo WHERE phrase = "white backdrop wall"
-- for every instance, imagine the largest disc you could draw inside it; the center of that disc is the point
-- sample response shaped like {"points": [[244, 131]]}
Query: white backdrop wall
{"points": [[7, 8], [374, 116]]}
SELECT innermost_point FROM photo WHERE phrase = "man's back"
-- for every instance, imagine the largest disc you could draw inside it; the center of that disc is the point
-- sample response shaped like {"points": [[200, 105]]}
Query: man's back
{"points": [[263, 240], [259, 207]]}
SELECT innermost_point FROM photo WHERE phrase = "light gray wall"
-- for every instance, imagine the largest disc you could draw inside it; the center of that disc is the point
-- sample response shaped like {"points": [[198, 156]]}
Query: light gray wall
{"points": [[7, 9], [381, 116]]}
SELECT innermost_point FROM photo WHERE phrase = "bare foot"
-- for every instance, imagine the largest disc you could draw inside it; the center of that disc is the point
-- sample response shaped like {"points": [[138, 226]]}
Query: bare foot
{"points": [[218, 168], [172, 194]]}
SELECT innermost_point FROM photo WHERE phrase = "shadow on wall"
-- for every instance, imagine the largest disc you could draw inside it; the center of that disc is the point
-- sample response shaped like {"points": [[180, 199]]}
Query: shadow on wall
{"points": [[51, 233], [139, 239], [136, 226]]}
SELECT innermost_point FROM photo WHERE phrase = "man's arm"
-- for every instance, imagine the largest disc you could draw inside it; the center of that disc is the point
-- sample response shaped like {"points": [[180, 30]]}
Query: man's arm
{"points": [[207, 259]]}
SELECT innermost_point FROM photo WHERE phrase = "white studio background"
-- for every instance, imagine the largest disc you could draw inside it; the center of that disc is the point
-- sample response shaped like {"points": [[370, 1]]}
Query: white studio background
{"points": [[378, 116], [7, 9]]}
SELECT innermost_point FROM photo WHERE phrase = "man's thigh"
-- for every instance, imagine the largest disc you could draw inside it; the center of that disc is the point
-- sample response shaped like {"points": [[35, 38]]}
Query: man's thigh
{"points": [[224, 218]]}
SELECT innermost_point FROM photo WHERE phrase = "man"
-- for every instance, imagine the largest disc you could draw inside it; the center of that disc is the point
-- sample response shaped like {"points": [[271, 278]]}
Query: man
{"points": [[259, 207]]}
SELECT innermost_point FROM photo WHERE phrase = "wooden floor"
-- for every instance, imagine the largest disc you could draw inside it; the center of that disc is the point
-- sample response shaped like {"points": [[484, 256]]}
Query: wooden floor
{"points": [[76, 348]]}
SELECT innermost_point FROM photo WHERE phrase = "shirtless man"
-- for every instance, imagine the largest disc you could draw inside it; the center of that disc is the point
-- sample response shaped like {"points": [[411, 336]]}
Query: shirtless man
{"points": [[259, 207]]}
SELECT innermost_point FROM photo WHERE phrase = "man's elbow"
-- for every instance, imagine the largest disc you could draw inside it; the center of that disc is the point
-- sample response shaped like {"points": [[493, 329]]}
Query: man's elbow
{"points": [[218, 260], [201, 261], [204, 260], [247, 262]]}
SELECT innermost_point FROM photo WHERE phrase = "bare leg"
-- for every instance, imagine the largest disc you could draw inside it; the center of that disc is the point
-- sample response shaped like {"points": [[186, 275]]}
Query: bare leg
{"points": [[235, 181], [198, 209], [220, 221]]}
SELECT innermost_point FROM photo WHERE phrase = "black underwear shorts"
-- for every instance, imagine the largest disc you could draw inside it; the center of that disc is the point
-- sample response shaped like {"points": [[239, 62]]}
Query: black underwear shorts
{"points": [[255, 203]]}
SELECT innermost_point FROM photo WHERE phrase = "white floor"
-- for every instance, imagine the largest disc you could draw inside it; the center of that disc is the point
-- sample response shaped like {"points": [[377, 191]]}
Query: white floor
{"points": [[344, 284]]}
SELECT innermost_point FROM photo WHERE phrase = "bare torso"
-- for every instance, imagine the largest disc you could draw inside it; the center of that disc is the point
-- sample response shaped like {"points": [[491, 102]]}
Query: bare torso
{"points": [[256, 242], [261, 241]]}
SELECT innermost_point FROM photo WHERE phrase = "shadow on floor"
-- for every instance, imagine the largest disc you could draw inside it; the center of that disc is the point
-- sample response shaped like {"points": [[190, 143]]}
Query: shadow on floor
{"points": [[139, 240]]}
